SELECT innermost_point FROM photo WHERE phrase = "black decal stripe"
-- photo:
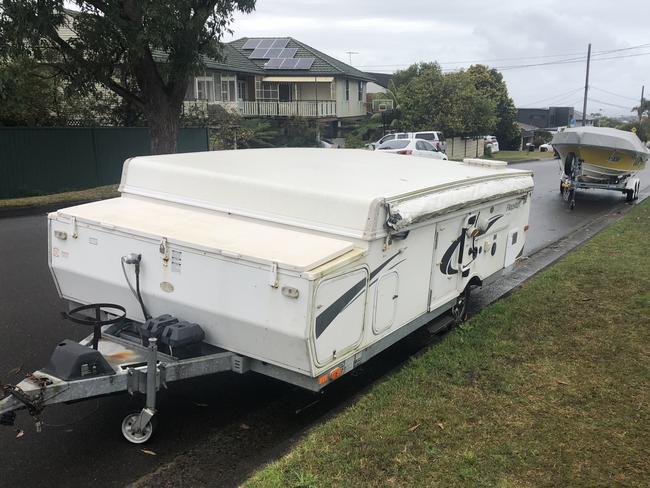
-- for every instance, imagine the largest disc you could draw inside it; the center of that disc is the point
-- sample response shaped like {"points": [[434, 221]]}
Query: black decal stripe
{"points": [[331, 312], [445, 263], [396, 264], [461, 247]]}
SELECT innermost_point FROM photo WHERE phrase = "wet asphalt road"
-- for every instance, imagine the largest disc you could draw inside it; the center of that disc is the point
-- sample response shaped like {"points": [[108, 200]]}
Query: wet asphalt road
{"points": [[217, 429]]}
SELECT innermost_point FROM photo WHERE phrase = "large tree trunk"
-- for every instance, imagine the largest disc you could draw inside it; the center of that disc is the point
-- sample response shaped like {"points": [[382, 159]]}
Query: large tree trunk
{"points": [[163, 128]]}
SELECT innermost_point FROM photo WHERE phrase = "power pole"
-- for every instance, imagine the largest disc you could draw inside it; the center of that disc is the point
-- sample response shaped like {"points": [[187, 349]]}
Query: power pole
{"points": [[584, 104], [641, 105]]}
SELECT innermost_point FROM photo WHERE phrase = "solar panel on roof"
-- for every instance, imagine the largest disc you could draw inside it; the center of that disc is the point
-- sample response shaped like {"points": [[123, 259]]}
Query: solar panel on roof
{"points": [[280, 43], [289, 63], [273, 53], [251, 43], [289, 52], [267, 43], [304, 63], [258, 53], [274, 63]]}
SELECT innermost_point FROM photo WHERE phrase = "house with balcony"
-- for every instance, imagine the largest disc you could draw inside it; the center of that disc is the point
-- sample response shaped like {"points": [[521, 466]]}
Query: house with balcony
{"points": [[279, 77]]}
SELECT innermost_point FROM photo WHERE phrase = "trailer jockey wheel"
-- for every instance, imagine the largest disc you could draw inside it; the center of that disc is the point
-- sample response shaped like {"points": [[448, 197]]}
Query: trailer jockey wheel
{"points": [[135, 434], [459, 310]]}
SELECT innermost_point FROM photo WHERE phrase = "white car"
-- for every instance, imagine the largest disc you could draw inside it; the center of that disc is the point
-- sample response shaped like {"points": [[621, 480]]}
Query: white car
{"points": [[326, 144], [545, 147], [435, 137], [412, 147], [491, 143]]}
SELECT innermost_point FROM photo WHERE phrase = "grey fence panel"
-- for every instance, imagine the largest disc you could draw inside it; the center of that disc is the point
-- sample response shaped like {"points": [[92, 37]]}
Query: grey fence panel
{"points": [[37, 161]]}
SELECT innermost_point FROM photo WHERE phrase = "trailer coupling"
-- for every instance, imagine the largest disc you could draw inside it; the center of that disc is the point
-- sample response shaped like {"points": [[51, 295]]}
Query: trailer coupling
{"points": [[78, 372]]}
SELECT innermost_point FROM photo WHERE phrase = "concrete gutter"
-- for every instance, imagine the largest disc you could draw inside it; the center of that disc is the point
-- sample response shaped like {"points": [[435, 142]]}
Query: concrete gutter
{"points": [[530, 160]]}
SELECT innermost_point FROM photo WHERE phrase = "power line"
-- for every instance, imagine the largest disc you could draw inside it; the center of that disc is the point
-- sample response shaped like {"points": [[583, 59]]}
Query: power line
{"points": [[566, 61], [615, 94], [610, 104], [581, 57], [561, 95]]}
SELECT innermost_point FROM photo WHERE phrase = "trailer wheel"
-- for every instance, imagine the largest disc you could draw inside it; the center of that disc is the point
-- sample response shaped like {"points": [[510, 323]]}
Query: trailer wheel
{"points": [[569, 164], [131, 435]]}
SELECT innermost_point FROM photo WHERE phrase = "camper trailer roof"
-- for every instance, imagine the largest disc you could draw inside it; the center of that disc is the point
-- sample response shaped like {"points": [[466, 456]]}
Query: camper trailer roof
{"points": [[338, 191]]}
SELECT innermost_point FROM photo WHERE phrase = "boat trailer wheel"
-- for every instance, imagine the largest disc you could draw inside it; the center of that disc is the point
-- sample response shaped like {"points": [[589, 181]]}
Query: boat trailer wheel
{"points": [[132, 428]]}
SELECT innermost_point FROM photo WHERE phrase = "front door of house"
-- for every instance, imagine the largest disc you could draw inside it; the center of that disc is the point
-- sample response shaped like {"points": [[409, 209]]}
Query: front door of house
{"points": [[284, 92]]}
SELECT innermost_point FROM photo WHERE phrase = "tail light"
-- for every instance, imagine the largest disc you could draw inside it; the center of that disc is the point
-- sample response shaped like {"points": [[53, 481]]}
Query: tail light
{"points": [[405, 151]]}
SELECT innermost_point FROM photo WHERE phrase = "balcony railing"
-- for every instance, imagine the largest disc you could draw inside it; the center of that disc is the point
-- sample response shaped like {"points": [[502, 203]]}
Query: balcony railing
{"points": [[307, 108], [299, 108]]}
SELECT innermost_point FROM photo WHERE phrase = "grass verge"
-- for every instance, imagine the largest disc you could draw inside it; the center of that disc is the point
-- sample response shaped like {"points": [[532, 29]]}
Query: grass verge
{"points": [[514, 156], [99, 193], [548, 387]]}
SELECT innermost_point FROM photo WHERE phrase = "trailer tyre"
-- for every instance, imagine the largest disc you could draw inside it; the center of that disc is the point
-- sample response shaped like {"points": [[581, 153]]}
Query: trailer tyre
{"points": [[136, 437], [569, 163]]}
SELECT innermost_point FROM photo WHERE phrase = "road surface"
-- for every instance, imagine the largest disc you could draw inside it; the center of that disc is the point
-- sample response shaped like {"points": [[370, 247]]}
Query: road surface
{"points": [[225, 425]]}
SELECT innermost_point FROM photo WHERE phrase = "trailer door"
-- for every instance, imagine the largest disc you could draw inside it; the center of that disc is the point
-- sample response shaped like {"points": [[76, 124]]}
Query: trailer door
{"points": [[340, 304], [445, 275]]}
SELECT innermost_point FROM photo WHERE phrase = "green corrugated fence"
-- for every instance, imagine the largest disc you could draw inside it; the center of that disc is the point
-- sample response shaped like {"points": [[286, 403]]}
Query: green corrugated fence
{"points": [[38, 161]]}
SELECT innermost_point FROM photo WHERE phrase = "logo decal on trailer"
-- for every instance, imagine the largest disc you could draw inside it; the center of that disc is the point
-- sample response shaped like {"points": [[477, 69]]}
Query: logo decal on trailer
{"points": [[446, 266]]}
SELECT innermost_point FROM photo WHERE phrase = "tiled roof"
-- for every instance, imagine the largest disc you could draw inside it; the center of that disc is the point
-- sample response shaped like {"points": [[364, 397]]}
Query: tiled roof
{"points": [[382, 79], [236, 59], [232, 60]]}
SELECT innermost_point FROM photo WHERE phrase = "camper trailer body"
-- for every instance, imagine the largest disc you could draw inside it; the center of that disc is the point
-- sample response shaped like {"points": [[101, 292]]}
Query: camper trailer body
{"points": [[302, 262]]}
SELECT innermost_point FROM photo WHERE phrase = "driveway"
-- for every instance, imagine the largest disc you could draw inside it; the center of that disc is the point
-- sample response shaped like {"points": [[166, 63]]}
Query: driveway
{"points": [[225, 425]]}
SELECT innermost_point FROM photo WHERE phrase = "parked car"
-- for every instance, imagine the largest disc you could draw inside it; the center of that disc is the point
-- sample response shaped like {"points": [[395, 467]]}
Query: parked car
{"points": [[435, 137], [412, 147], [326, 143], [491, 143], [387, 137], [545, 147]]}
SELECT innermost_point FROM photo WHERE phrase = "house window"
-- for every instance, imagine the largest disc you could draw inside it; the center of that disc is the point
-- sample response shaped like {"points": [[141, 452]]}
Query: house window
{"points": [[347, 89], [266, 92], [242, 91], [205, 88], [360, 91], [228, 89]]}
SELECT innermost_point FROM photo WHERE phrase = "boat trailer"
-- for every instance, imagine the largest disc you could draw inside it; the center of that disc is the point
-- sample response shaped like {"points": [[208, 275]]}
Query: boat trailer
{"points": [[627, 184]]}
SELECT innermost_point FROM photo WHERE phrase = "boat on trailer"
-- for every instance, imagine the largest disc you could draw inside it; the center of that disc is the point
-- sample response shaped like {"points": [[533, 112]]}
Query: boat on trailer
{"points": [[300, 264], [599, 158]]}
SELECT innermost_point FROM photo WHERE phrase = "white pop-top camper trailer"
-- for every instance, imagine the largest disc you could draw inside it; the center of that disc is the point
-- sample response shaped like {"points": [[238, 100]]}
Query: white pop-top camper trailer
{"points": [[298, 263], [285, 255]]}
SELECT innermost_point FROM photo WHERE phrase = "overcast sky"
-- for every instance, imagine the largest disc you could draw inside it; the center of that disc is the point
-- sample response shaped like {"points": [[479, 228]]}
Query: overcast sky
{"points": [[390, 35]]}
